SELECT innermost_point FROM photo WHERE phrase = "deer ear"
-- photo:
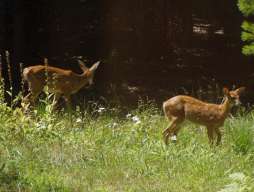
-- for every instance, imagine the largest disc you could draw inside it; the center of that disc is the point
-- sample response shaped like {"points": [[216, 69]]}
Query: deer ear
{"points": [[82, 65], [241, 90], [94, 67], [225, 91]]}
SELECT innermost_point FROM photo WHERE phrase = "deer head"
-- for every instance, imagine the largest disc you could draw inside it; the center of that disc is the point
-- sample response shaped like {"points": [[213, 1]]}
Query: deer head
{"points": [[89, 72], [233, 96]]}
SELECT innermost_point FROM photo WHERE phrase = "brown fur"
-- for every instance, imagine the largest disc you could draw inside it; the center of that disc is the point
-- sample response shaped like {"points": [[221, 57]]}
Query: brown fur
{"points": [[60, 82], [181, 107]]}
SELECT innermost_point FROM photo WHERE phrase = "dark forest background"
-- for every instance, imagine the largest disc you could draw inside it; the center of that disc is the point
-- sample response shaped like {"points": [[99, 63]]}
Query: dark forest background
{"points": [[148, 48]]}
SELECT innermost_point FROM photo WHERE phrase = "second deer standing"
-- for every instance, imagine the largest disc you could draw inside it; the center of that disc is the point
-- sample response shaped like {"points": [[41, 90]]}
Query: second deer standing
{"points": [[181, 107]]}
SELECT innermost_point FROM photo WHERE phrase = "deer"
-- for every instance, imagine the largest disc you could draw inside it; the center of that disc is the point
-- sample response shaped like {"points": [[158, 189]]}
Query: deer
{"points": [[60, 82], [181, 107]]}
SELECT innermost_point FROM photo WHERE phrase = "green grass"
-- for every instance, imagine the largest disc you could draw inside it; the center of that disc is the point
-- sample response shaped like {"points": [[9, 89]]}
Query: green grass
{"points": [[107, 151]]}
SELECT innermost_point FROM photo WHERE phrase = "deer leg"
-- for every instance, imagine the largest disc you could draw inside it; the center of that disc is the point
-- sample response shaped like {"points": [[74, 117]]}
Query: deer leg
{"points": [[217, 130], [27, 98], [55, 100], [31, 97], [34, 92], [177, 128], [34, 96], [172, 129], [167, 131], [210, 133], [67, 99]]}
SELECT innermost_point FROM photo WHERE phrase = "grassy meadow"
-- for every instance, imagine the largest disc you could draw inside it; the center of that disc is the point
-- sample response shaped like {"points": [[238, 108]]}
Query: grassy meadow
{"points": [[105, 149]]}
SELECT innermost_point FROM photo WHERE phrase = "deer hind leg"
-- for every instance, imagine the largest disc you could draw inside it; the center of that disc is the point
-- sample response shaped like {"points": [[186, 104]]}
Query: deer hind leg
{"points": [[67, 99], [172, 129], [210, 133], [218, 133]]}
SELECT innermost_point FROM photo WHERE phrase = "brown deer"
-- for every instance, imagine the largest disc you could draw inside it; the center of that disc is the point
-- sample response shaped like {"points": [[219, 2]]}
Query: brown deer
{"points": [[181, 107], [60, 82]]}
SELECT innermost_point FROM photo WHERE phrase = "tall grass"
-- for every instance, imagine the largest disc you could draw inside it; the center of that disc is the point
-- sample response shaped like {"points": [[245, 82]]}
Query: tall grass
{"points": [[100, 150]]}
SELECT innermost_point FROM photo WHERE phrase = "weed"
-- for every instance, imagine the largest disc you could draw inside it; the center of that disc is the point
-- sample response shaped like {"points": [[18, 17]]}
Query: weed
{"points": [[99, 150]]}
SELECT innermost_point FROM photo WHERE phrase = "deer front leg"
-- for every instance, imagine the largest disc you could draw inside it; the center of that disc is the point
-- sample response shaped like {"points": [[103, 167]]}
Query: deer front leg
{"points": [[30, 98], [56, 100], [217, 130], [210, 133], [67, 99], [27, 99], [28, 102], [173, 129]]}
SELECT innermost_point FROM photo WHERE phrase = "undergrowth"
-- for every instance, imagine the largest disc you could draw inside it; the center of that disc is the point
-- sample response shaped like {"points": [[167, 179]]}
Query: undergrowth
{"points": [[100, 150]]}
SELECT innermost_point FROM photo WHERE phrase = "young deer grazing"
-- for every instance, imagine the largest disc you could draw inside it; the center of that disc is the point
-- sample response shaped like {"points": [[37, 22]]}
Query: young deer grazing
{"points": [[180, 108], [60, 82]]}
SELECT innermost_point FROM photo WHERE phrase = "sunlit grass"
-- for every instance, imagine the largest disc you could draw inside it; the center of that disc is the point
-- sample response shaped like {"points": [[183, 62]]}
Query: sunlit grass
{"points": [[100, 150]]}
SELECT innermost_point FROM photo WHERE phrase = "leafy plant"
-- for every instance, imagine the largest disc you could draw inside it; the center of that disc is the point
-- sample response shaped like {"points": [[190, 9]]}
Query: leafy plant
{"points": [[247, 8]]}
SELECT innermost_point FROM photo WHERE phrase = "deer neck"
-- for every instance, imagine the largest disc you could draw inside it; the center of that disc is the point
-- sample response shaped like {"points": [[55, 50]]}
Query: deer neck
{"points": [[225, 107]]}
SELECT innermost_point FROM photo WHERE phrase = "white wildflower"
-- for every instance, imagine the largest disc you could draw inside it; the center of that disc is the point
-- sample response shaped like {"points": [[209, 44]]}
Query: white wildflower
{"points": [[114, 124], [136, 120], [173, 138], [101, 109], [41, 125], [79, 120], [128, 115]]}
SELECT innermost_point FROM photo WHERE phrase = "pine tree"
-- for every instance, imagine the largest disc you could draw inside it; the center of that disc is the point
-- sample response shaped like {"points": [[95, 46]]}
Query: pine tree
{"points": [[247, 9]]}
